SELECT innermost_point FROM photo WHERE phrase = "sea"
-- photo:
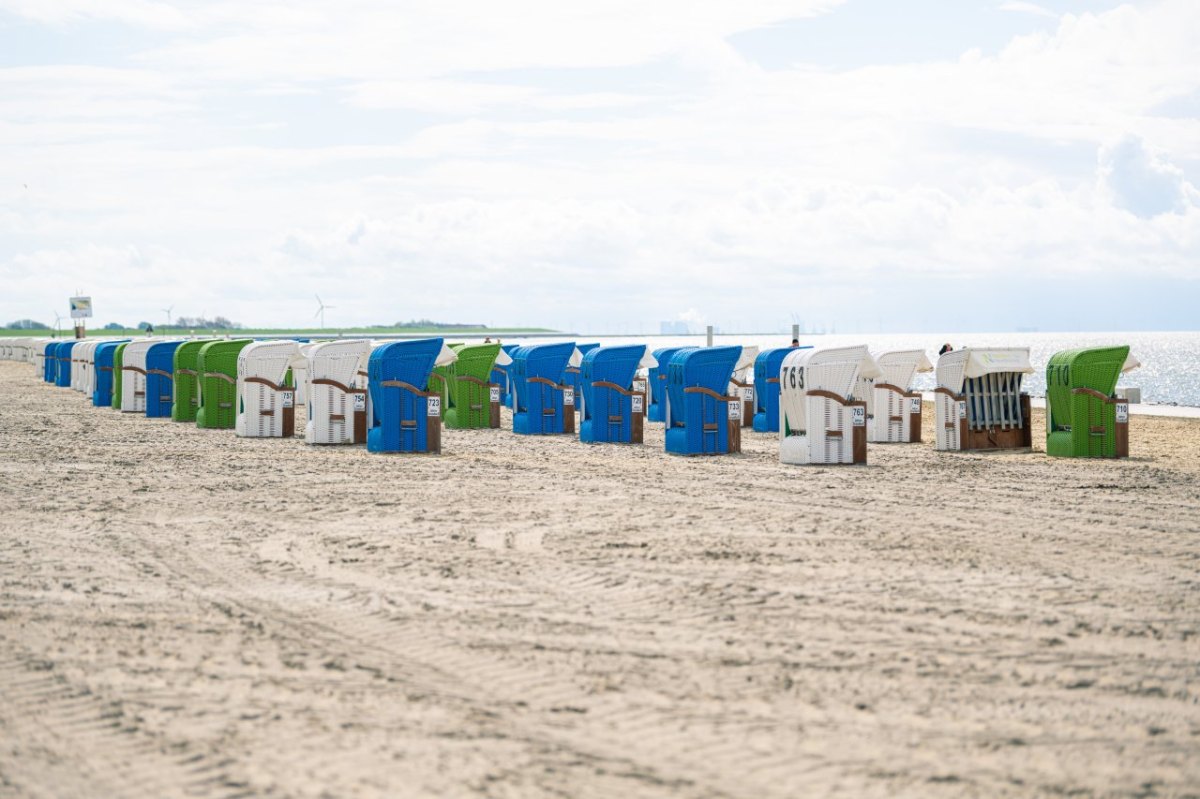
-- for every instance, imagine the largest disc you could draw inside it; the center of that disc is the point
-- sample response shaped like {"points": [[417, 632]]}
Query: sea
{"points": [[1169, 374]]}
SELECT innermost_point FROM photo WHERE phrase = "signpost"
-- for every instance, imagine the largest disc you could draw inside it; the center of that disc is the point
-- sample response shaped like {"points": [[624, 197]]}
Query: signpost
{"points": [[81, 308]]}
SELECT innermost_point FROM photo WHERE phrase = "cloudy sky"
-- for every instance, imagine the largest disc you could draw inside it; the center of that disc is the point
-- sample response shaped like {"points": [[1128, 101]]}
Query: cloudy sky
{"points": [[601, 166]]}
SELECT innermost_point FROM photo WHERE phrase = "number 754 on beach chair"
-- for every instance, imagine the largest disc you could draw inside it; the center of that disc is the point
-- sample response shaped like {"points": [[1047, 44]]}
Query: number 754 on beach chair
{"points": [[336, 393]]}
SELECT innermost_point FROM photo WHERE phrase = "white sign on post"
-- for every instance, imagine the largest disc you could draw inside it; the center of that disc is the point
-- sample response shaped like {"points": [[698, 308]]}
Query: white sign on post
{"points": [[860, 416], [735, 411], [289, 398], [1122, 413], [360, 402], [639, 386], [914, 405], [639, 403], [569, 396], [494, 394], [748, 394], [962, 410], [433, 407], [81, 307]]}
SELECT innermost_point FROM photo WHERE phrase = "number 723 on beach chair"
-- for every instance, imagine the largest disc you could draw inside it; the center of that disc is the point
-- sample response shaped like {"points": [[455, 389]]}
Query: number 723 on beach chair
{"points": [[404, 415]]}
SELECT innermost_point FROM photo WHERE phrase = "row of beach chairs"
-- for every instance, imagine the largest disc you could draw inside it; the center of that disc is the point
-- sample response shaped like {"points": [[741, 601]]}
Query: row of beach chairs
{"points": [[825, 404]]}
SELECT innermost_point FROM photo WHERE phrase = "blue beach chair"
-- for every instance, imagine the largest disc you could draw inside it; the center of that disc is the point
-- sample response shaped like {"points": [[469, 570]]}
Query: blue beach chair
{"points": [[766, 388], [62, 375], [538, 396], [160, 378], [657, 383], [697, 405], [103, 360], [606, 380], [50, 362], [570, 375], [402, 417]]}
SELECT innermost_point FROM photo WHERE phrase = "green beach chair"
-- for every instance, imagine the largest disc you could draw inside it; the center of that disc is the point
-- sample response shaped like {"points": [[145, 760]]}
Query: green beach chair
{"points": [[216, 371], [118, 359], [187, 399], [467, 395], [1083, 417]]}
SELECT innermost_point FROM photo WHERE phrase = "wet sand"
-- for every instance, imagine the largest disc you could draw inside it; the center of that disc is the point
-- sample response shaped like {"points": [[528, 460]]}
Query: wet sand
{"points": [[184, 613]]}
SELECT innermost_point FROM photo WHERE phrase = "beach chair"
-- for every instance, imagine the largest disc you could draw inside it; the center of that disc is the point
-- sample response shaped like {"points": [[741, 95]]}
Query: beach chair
{"points": [[1084, 418], [978, 402], [700, 418], [740, 385], [118, 361], [893, 408], [611, 409], [79, 364], [541, 404], [160, 378], [49, 361], [766, 388], [571, 373], [216, 381], [300, 370], [821, 421], [186, 380], [337, 394], [62, 373], [471, 400], [500, 375], [133, 375], [102, 360], [266, 394], [405, 417], [656, 384]]}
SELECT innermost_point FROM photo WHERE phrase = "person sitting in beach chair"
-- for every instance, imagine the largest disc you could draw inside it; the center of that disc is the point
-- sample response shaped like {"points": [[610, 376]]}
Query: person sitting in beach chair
{"points": [[542, 405], [611, 410], [336, 393], [699, 418], [822, 421], [1084, 418], [266, 393], [404, 415], [978, 402]]}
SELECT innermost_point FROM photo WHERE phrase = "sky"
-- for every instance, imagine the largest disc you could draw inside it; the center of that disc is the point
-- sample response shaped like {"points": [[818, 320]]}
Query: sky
{"points": [[868, 165]]}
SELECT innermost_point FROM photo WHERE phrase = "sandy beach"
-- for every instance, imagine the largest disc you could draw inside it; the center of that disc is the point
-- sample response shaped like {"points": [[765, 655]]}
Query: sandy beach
{"points": [[188, 614]]}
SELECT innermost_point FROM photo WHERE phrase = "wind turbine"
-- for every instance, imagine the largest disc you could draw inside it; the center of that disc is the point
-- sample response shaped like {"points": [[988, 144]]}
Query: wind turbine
{"points": [[57, 323], [321, 310], [167, 311]]}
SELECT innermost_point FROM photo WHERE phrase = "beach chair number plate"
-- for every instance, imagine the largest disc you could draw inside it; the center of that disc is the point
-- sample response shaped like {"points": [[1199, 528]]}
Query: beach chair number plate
{"points": [[494, 394], [860, 416], [639, 386], [914, 405], [735, 411], [962, 410], [289, 398], [1122, 413], [360, 402], [639, 404], [434, 406], [568, 396], [748, 394]]}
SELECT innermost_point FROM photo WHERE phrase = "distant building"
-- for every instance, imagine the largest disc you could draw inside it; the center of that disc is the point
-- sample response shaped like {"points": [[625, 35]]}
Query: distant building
{"points": [[674, 328]]}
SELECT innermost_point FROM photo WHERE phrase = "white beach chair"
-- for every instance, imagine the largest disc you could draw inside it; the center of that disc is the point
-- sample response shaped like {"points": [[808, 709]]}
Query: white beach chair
{"points": [[337, 392], [741, 386], [266, 401], [83, 366], [133, 375], [893, 408], [979, 403], [820, 421]]}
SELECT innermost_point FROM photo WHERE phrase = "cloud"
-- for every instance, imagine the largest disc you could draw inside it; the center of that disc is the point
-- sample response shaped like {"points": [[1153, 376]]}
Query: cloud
{"points": [[1026, 8], [1142, 181]]}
